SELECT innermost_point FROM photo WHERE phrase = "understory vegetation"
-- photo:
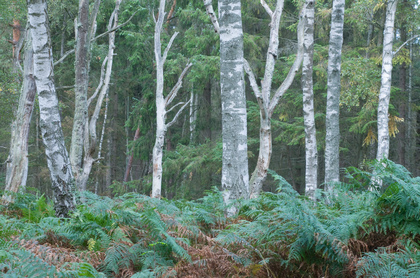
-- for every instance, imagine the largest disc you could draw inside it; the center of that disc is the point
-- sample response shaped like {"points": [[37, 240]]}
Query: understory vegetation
{"points": [[366, 227]]}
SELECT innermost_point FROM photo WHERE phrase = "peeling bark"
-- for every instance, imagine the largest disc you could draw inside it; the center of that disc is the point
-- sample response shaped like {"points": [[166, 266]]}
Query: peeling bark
{"points": [[50, 122]]}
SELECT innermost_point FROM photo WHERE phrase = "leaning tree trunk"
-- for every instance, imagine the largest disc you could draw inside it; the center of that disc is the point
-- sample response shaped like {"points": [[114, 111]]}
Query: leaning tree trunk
{"points": [[308, 103], [332, 137], [50, 122], [235, 176], [385, 91], [17, 166]]}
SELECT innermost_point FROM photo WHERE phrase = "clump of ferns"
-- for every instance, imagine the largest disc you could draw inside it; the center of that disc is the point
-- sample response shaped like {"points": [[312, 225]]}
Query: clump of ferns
{"points": [[289, 229]]}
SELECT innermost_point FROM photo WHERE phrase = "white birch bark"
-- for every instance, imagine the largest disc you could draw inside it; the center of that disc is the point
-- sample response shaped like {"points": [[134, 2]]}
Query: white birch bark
{"points": [[332, 137], [162, 102], [235, 176], [193, 114], [90, 141], [267, 103], [385, 91], [17, 166], [50, 122], [212, 15], [311, 152], [84, 32]]}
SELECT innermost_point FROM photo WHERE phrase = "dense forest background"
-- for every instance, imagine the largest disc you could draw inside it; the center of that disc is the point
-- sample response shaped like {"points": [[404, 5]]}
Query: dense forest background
{"points": [[193, 153], [364, 224]]}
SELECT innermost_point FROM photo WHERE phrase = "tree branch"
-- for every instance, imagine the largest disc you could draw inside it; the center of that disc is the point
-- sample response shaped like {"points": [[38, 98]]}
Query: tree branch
{"points": [[168, 125], [252, 79], [173, 107], [64, 56], [293, 70], [64, 87], [101, 82], [209, 9], [165, 53], [114, 29], [267, 8], [172, 94], [407, 41]]}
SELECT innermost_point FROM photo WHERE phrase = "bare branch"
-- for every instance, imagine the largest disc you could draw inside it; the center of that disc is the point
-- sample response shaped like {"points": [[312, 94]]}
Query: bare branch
{"points": [[64, 57], [114, 29], [165, 53], [64, 87], [267, 8], [252, 79], [173, 107], [293, 70], [255, 88], [407, 41], [172, 94], [177, 114], [212, 15], [101, 82]]}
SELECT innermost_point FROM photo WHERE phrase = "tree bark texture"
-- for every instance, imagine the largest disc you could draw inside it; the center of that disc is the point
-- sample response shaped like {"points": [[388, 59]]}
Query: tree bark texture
{"points": [[17, 166], [267, 103], [50, 122], [235, 176], [308, 103], [332, 138], [385, 91]]}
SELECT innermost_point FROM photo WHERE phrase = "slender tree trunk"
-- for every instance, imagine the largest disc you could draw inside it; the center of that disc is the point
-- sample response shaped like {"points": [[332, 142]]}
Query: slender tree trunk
{"points": [[50, 122], [90, 143], [130, 160], [332, 138], [308, 103], [85, 29], [264, 157], [409, 154], [17, 166], [267, 103], [402, 104], [162, 103], [385, 91], [193, 115]]}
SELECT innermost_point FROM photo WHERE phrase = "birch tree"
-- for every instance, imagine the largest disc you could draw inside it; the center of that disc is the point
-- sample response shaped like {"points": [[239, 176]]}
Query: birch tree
{"points": [[17, 163], [85, 29], [163, 103], [50, 122], [311, 153], [332, 137], [266, 102], [235, 176], [90, 140], [385, 91]]}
